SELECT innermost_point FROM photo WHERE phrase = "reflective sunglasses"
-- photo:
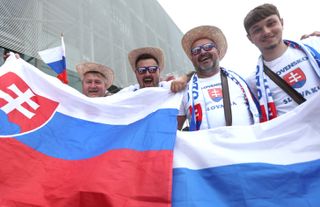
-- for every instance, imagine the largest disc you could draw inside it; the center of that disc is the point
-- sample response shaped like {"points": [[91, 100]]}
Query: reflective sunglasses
{"points": [[150, 69], [206, 47]]}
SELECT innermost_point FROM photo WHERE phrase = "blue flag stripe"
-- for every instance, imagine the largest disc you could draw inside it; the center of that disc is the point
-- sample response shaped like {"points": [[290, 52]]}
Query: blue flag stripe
{"points": [[75, 139], [250, 185], [58, 66]]}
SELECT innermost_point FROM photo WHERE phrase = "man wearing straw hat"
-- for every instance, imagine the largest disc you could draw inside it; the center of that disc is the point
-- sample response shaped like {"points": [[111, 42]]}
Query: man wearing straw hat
{"points": [[147, 63], [95, 78], [215, 96]]}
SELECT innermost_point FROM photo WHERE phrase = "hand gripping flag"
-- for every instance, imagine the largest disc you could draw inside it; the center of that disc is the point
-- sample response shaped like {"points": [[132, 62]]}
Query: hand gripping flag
{"points": [[273, 164], [55, 58], [60, 148]]}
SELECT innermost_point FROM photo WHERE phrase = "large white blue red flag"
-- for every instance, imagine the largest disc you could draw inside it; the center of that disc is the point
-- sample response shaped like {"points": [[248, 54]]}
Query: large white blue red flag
{"points": [[55, 58], [273, 164], [60, 148]]}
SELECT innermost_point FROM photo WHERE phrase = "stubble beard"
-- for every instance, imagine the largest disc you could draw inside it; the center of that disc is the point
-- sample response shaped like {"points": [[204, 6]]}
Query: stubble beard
{"points": [[273, 46], [209, 70]]}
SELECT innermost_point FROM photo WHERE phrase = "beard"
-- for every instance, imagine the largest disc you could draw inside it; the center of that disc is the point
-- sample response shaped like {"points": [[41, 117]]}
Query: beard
{"points": [[209, 67], [273, 45], [149, 81]]}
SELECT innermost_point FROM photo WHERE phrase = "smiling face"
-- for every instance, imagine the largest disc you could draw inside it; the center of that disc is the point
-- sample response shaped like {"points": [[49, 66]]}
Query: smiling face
{"points": [[267, 33], [147, 79], [94, 84], [206, 62]]}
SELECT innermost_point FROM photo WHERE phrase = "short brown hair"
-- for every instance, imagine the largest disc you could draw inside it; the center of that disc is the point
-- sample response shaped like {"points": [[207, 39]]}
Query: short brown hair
{"points": [[145, 56], [259, 13]]}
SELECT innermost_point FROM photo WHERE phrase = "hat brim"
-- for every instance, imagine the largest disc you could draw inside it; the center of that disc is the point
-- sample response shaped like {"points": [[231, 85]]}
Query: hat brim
{"points": [[107, 72], [205, 32], [153, 51]]}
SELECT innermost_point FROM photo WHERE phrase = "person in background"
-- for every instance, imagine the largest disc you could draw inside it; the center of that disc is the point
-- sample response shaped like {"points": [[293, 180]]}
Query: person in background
{"points": [[305, 36], [95, 79], [215, 96], [288, 72], [6, 54]]}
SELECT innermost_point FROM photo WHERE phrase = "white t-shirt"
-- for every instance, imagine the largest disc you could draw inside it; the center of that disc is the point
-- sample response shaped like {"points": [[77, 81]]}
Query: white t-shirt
{"points": [[210, 98], [293, 66]]}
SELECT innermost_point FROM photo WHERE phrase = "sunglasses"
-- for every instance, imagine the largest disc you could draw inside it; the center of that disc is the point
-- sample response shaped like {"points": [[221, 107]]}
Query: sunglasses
{"points": [[206, 47], [150, 69]]}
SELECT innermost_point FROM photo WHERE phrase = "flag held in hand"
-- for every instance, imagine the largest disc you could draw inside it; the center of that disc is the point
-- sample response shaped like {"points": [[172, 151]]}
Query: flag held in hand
{"points": [[55, 58]]}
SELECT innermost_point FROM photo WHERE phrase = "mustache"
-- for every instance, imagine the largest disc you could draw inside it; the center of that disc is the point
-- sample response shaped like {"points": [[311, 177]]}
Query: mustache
{"points": [[147, 78], [204, 55]]}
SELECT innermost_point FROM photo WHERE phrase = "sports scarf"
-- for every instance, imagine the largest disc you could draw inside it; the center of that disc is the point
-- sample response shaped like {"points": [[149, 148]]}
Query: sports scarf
{"points": [[195, 99], [267, 106]]}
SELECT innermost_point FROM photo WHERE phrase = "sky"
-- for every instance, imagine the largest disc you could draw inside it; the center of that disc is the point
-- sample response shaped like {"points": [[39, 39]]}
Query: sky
{"points": [[300, 17]]}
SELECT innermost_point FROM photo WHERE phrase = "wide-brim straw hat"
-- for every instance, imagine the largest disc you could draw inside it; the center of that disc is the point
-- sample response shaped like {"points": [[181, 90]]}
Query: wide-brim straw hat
{"points": [[157, 53], [107, 72], [205, 32]]}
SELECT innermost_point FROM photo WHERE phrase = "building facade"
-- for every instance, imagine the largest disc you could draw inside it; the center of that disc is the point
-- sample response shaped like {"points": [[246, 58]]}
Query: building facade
{"points": [[101, 31]]}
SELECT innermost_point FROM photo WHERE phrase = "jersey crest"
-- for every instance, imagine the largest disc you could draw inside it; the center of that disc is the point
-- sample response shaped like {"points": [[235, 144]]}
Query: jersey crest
{"points": [[295, 78], [215, 94]]}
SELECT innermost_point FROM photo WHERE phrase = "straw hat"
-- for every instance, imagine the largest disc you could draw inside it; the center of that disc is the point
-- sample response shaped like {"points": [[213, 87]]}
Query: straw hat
{"points": [[107, 72], [204, 32], [153, 51]]}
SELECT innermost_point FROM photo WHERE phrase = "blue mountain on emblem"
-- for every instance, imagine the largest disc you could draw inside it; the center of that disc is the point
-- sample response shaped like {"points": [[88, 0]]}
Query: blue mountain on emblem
{"points": [[299, 84], [7, 127], [215, 94]]}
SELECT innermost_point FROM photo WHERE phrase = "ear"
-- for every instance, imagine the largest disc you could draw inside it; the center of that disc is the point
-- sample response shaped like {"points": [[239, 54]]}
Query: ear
{"points": [[249, 38]]}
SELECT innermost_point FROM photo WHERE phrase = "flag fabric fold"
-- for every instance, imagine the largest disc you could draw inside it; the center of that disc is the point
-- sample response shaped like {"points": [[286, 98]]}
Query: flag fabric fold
{"points": [[55, 58], [61, 148], [273, 164]]}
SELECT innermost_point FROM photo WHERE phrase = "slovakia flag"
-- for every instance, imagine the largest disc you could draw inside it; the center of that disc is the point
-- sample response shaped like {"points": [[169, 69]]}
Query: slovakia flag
{"points": [[60, 148], [273, 164], [56, 59]]}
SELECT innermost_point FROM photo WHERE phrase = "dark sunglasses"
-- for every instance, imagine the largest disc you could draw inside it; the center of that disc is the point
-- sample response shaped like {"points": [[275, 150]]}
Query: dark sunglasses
{"points": [[206, 47], [150, 69]]}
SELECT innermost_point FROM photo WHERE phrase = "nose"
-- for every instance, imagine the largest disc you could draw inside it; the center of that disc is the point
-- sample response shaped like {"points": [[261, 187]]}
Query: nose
{"points": [[266, 30], [92, 85]]}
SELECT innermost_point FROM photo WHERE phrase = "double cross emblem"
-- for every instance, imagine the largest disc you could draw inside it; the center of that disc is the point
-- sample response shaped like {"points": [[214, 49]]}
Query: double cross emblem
{"points": [[18, 100]]}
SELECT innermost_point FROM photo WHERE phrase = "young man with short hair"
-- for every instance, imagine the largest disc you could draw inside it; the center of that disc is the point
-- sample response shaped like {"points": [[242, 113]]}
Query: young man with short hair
{"points": [[296, 63]]}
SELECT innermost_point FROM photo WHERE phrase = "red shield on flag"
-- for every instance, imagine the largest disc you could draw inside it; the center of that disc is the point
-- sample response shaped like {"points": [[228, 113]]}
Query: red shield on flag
{"points": [[21, 105], [215, 94], [295, 78]]}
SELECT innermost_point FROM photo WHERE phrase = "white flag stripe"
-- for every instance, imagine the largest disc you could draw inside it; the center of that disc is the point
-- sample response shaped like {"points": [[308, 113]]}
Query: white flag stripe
{"points": [[51, 55], [117, 115]]}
